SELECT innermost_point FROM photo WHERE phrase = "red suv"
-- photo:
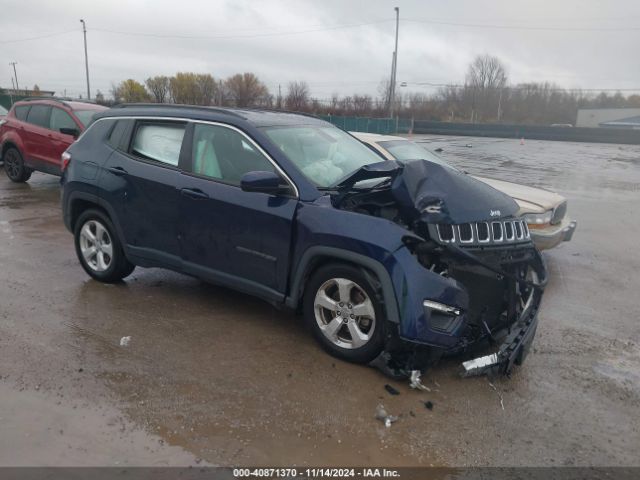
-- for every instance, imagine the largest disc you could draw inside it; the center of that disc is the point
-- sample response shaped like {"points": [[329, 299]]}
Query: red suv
{"points": [[35, 132]]}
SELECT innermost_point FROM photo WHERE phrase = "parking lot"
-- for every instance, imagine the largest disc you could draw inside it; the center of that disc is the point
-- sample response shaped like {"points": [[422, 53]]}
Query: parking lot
{"points": [[214, 376]]}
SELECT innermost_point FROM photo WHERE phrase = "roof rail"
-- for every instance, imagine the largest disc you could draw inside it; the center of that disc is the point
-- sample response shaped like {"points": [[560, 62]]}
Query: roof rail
{"points": [[179, 106], [275, 110], [52, 99], [62, 100]]}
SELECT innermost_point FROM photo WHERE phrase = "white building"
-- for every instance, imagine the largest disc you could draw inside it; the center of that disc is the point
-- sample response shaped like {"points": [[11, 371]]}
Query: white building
{"points": [[595, 117]]}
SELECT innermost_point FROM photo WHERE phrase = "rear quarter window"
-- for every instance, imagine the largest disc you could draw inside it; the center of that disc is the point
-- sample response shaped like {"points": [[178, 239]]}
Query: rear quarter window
{"points": [[116, 137]]}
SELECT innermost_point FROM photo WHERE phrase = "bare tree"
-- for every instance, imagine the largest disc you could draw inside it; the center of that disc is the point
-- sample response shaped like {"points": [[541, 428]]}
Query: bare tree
{"points": [[486, 72], [297, 96], [334, 102], [245, 90], [362, 104], [384, 92], [486, 77], [159, 88]]}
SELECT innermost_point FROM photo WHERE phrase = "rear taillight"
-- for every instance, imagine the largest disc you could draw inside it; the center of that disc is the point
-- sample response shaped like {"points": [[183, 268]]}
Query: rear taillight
{"points": [[66, 159]]}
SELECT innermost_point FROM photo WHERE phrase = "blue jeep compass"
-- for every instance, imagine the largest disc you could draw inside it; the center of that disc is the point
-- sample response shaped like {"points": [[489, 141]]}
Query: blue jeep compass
{"points": [[390, 264]]}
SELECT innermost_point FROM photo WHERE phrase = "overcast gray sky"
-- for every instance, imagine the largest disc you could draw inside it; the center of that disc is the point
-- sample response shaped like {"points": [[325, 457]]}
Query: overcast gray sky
{"points": [[338, 46]]}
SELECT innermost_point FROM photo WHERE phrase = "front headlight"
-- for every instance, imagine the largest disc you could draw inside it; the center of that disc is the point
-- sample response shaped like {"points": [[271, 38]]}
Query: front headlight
{"points": [[539, 220]]}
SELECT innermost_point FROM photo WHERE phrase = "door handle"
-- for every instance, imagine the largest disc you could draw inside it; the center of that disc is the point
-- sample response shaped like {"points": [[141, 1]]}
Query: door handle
{"points": [[194, 193], [119, 171]]}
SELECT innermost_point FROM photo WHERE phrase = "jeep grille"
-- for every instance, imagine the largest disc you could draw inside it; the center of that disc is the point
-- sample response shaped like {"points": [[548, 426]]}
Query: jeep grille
{"points": [[482, 233]]}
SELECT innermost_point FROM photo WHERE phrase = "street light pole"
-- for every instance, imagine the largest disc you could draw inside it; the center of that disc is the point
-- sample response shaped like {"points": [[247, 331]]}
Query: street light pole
{"points": [[15, 74], [394, 63], [86, 57]]}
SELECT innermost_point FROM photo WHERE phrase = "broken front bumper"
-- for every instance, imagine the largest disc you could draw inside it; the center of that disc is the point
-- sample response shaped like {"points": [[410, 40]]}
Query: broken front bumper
{"points": [[516, 344], [512, 351]]}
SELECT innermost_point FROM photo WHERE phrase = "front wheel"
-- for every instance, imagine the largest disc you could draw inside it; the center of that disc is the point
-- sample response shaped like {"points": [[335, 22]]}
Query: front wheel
{"points": [[99, 249], [342, 309], [14, 166]]}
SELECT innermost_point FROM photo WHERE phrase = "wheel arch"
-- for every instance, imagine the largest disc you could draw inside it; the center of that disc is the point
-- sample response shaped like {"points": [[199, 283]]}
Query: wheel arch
{"points": [[79, 205], [10, 143], [316, 256], [79, 201]]}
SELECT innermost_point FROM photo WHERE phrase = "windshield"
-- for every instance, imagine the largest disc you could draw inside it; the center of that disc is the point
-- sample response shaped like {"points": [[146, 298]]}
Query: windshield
{"points": [[403, 150], [85, 116], [3, 111], [324, 154]]}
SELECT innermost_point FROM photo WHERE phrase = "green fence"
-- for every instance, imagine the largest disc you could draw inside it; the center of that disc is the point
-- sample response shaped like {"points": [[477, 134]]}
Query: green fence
{"points": [[386, 126], [7, 100]]}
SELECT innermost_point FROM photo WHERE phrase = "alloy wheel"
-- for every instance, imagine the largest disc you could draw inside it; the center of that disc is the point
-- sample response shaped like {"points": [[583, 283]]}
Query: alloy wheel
{"points": [[345, 313], [96, 246], [12, 164]]}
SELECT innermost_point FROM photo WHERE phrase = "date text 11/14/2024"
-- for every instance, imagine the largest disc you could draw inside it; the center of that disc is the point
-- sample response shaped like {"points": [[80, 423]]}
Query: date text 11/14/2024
{"points": [[315, 473]]}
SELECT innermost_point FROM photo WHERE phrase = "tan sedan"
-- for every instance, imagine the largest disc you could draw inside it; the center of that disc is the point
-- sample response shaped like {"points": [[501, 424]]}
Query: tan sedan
{"points": [[545, 211]]}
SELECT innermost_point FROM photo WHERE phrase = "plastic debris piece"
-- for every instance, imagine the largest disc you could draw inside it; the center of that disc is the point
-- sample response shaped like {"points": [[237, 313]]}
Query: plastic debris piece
{"points": [[428, 404], [499, 394], [416, 383], [391, 390], [124, 341], [384, 417]]}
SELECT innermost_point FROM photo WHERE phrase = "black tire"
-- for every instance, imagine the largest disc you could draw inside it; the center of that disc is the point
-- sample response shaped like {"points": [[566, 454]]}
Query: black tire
{"points": [[322, 279], [14, 166], [117, 267]]}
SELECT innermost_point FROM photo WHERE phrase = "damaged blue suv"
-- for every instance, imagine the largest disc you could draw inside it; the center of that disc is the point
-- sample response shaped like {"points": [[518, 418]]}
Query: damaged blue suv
{"points": [[390, 264]]}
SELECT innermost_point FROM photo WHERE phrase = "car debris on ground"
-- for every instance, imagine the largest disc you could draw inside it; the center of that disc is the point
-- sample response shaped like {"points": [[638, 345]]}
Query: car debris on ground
{"points": [[391, 390], [499, 394], [384, 417], [416, 383]]}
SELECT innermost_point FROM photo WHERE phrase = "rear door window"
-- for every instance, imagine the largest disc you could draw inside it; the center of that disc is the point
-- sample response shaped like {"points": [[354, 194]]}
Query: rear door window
{"points": [[22, 111], [39, 115], [159, 142]]}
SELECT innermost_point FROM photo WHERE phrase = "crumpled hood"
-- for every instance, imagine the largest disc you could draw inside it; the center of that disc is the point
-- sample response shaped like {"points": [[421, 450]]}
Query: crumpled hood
{"points": [[435, 193]]}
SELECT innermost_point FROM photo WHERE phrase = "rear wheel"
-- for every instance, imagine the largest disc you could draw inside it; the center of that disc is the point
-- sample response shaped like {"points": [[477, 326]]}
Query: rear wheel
{"points": [[342, 309], [99, 249], [14, 166]]}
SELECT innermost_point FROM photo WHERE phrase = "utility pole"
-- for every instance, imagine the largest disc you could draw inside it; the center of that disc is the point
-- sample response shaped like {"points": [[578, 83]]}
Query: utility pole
{"points": [[394, 63], [15, 74], [86, 57]]}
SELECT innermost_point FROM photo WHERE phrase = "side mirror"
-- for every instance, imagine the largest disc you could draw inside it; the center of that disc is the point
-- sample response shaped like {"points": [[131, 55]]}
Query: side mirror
{"points": [[74, 132], [264, 182]]}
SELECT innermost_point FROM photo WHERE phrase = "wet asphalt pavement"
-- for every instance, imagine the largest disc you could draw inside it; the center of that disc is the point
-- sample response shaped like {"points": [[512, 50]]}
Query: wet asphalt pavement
{"points": [[214, 376]]}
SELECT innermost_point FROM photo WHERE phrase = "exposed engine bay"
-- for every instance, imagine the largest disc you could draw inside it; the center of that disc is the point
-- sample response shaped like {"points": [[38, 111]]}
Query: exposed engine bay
{"points": [[462, 230]]}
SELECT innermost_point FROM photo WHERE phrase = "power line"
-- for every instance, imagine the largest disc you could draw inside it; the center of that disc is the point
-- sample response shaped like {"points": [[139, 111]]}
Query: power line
{"points": [[524, 27], [55, 34], [255, 35], [527, 87]]}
